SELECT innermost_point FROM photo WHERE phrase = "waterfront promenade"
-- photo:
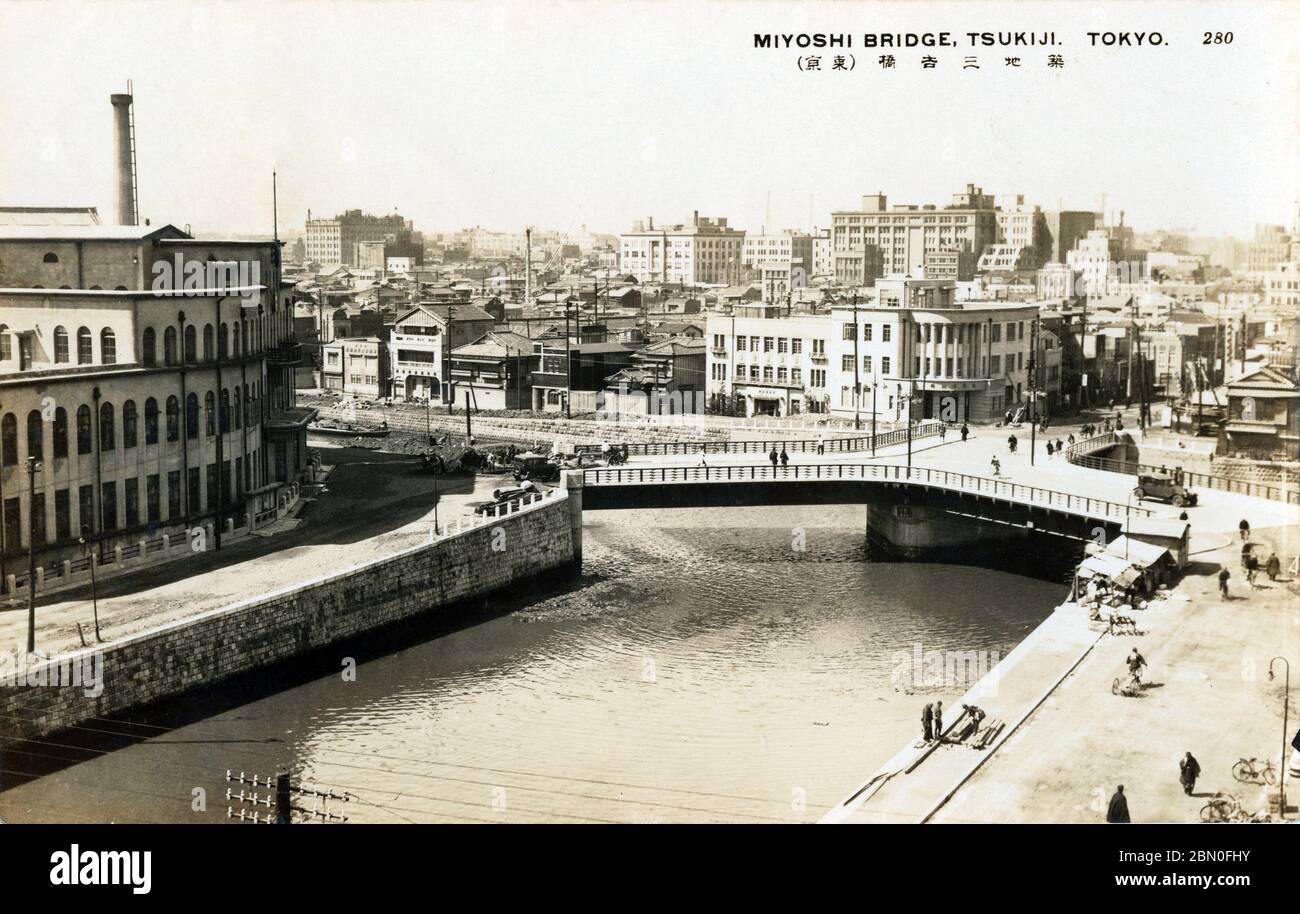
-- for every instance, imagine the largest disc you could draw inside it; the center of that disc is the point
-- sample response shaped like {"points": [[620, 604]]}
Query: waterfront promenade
{"points": [[371, 505]]}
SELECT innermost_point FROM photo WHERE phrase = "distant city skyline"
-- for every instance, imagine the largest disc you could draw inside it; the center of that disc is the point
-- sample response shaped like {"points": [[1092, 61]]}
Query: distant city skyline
{"points": [[605, 115]]}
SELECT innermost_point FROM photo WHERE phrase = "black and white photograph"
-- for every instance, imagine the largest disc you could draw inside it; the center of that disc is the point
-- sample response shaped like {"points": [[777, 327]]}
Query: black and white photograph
{"points": [[418, 416]]}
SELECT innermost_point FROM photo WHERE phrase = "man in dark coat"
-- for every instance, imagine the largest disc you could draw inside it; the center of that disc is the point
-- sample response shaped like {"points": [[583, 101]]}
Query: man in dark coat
{"points": [[965, 431], [927, 721], [1188, 771], [1118, 810], [938, 720]]}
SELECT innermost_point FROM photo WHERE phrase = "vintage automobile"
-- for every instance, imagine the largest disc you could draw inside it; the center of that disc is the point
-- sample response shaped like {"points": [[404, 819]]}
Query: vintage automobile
{"points": [[1164, 487], [538, 467]]}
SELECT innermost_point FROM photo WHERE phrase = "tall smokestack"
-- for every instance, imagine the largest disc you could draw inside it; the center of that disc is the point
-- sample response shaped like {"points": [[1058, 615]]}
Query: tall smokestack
{"points": [[124, 145]]}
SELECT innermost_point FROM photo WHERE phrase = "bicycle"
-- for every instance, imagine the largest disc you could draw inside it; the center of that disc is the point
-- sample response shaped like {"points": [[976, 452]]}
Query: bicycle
{"points": [[1221, 808], [1126, 686], [1249, 771]]}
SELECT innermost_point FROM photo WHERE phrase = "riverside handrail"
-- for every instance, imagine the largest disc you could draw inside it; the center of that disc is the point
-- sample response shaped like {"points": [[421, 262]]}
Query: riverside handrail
{"points": [[1081, 454], [947, 479], [793, 445]]}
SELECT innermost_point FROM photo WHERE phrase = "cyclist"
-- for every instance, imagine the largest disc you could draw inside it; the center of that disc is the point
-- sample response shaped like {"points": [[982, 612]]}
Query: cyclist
{"points": [[1136, 663]]}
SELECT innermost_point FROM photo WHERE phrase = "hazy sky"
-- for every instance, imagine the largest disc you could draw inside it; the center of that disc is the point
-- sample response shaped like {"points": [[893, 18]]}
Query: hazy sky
{"points": [[564, 114]]}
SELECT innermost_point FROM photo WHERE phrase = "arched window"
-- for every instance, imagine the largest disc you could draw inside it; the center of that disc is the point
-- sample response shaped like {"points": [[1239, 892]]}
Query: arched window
{"points": [[191, 416], [234, 345], [60, 344], [60, 432], [151, 421], [237, 415], [173, 419], [85, 346], [224, 420], [243, 325], [128, 424], [169, 346], [119, 288], [210, 413], [223, 343], [107, 434], [83, 429], [191, 354], [108, 346], [9, 440], [148, 345], [51, 257], [35, 435], [207, 342]]}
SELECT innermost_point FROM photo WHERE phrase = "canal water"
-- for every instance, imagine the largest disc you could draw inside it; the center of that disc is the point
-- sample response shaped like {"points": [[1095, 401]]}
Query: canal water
{"points": [[741, 665]]}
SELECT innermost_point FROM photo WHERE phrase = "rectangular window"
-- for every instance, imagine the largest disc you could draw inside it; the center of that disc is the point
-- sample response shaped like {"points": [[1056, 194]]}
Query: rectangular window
{"points": [[866, 364], [38, 518], [796, 375], [767, 344], [152, 499], [885, 332], [796, 346], [212, 486], [174, 495], [884, 362], [848, 331], [108, 505], [846, 363], [62, 515], [86, 510], [13, 523], [192, 483], [866, 332], [740, 343], [131, 498]]}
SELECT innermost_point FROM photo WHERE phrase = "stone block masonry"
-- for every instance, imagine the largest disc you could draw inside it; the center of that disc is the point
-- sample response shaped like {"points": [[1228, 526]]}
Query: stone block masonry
{"points": [[527, 541]]}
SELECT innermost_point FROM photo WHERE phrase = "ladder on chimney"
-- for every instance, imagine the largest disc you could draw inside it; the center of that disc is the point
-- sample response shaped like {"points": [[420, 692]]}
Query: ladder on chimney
{"points": [[135, 182]]}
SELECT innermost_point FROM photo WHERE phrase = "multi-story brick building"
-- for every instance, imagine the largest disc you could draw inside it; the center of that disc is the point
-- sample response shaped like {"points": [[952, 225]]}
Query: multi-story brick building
{"points": [[150, 403], [705, 251], [878, 239], [331, 241]]}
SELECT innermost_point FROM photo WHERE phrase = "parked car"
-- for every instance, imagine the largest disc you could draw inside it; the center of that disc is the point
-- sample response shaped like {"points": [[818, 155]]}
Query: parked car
{"points": [[1164, 487], [537, 467]]}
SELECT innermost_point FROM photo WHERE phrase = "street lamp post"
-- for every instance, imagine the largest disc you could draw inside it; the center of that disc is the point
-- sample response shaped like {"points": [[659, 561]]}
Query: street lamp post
{"points": [[1286, 707], [32, 466], [94, 589]]}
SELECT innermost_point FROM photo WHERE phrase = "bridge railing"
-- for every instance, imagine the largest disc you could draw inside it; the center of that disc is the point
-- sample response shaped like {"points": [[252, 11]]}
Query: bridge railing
{"points": [[946, 479], [829, 444], [1083, 453]]}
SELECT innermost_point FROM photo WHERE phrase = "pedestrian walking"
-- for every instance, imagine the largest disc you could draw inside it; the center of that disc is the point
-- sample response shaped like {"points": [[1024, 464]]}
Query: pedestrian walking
{"points": [[1223, 583], [1050, 450], [1274, 567], [997, 467], [943, 430], [1059, 446], [938, 720], [1188, 771], [1244, 529], [821, 445], [1011, 443], [785, 458], [965, 431], [1008, 417], [927, 721], [703, 462], [773, 456], [1117, 811], [1252, 569]]}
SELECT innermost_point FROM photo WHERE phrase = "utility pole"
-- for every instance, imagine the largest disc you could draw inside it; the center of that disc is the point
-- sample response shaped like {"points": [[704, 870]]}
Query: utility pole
{"points": [[857, 365], [875, 382], [568, 364], [1033, 388], [277, 793], [447, 392], [32, 466], [92, 559]]}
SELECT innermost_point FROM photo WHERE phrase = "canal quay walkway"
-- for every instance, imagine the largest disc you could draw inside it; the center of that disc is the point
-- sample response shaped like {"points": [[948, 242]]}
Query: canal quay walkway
{"points": [[1065, 741], [372, 504]]}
